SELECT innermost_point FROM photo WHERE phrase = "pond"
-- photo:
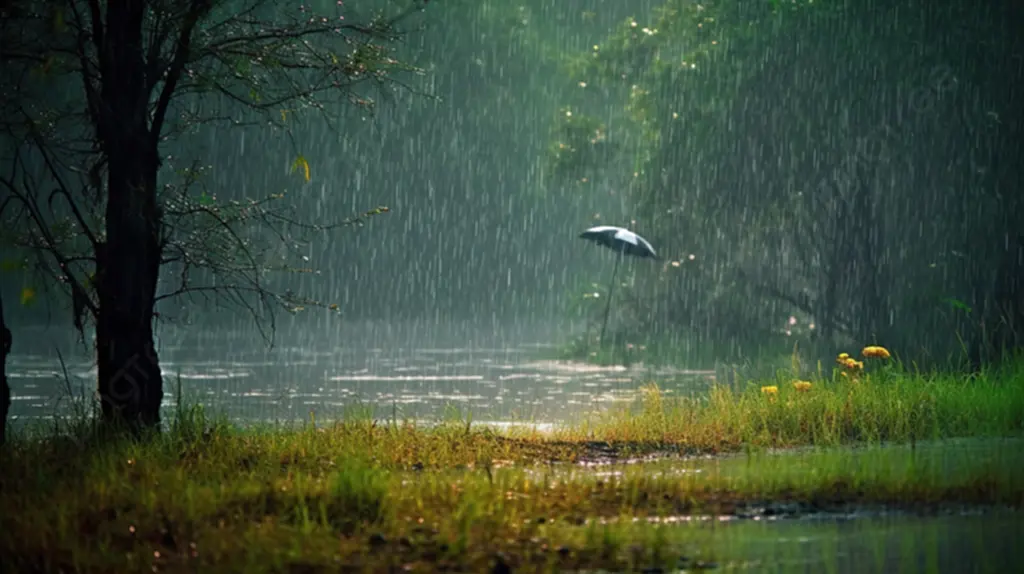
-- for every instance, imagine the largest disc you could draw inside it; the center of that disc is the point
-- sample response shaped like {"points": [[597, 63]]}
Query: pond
{"points": [[235, 373]]}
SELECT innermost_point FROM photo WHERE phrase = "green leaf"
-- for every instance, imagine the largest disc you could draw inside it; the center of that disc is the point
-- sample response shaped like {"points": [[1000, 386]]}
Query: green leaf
{"points": [[206, 199], [13, 265], [28, 295], [957, 304], [301, 162], [58, 21]]}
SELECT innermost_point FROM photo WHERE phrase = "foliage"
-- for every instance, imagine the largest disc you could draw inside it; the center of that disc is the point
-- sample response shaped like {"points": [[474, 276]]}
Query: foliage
{"points": [[732, 147], [670, 73], [238, 64], [224, 250]]}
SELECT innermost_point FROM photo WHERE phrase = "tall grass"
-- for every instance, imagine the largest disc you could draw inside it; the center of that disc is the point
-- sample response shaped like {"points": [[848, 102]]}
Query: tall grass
{"points": [[215, 498], [887, 404]]}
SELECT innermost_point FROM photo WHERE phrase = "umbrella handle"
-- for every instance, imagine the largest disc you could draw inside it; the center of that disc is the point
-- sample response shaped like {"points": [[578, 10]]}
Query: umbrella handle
{"points": [[611, 289]]}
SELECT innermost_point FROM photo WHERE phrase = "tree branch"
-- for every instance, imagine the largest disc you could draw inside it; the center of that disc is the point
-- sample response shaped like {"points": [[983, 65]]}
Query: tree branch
{"points": [[50, 244], [88, 78], [62, 190], [181, 56]]}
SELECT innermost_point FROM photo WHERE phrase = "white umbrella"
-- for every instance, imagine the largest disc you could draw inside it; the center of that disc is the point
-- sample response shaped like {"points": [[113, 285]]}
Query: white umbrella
{"points": [[624, 242]]}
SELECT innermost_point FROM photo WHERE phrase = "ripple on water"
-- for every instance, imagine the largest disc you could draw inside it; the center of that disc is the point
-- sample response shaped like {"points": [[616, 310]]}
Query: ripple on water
{"points": [[497, 383], [211, 376], [424, 378]]}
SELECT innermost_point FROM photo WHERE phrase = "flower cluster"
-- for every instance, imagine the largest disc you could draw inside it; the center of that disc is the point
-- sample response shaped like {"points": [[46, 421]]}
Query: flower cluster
{"points": [[850, 364], [852, 367], [772, 391], [852, 370]]}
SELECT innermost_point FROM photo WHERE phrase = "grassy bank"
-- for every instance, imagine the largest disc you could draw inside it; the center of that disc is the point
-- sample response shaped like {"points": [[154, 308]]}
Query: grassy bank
{"points": [[302, 501], [877, 402], [379, 495]]}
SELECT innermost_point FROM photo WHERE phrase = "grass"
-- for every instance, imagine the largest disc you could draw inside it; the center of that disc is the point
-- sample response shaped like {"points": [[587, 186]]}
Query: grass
{"points": [[367, 495], [886, 403]]}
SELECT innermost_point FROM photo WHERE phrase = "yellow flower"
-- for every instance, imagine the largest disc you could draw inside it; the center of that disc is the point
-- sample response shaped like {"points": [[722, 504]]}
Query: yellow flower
{"points": [[852, 364], [772, 390], [843, 357], [802, 386], [876, 351]]}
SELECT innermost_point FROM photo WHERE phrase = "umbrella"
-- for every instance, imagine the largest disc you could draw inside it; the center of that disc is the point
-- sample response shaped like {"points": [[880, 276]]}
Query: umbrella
{"points": [[623, 241]]}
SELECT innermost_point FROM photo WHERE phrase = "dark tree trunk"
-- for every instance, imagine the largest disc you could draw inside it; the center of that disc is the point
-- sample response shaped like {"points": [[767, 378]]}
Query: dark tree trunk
{"points": [[128, 264], [5, 389]]}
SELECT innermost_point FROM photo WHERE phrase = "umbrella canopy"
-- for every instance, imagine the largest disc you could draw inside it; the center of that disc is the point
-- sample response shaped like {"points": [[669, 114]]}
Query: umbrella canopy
{"points": [[620, 240]]}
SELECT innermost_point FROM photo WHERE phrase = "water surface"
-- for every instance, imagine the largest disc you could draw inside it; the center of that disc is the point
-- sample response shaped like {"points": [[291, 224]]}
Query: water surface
{"points": [[492, 378]]}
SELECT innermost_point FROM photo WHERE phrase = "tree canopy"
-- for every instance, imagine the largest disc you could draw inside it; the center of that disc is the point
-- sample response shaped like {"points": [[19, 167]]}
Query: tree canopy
{"points": [[94, 94], [848, 163]]}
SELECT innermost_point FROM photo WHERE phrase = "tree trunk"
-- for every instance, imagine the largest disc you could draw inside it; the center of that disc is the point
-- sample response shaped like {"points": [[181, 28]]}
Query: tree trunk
{"points": [[5, 389], [128, 263]]}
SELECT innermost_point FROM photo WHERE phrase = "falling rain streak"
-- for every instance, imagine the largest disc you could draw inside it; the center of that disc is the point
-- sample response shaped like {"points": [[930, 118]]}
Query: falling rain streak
{"points": [[826, 176]]}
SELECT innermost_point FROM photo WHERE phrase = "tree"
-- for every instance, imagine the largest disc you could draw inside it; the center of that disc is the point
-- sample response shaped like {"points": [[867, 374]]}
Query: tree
{"points": [[5, 389], [671, 77], [95, 89], [816, 171]]}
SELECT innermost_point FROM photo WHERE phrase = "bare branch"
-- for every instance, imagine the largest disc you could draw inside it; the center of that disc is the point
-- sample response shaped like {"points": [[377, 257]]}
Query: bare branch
{"points": [[204, 61], [49, 243], [87, 68], [63, 190], [196, 11]]}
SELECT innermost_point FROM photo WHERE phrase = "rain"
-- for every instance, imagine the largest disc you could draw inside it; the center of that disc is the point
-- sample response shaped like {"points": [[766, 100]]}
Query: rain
{"points": [[816, 177]]}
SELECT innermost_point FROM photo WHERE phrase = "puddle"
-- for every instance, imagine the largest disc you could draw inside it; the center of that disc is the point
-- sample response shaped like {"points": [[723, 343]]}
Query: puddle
{"points": [[895, 543]]}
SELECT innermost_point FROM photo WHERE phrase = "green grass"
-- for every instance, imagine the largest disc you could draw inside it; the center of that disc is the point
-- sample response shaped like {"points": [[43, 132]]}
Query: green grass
{"points": [[375, 495], [887, 404]]}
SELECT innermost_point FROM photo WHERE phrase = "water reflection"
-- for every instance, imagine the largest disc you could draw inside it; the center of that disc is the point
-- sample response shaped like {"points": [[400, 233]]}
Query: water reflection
{"points": [[952, 543]]}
